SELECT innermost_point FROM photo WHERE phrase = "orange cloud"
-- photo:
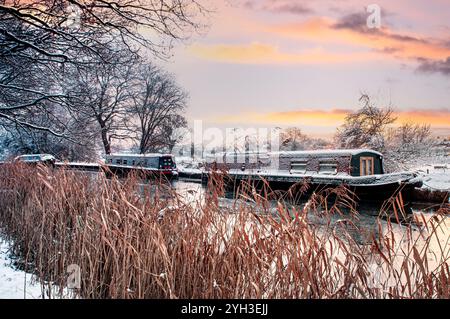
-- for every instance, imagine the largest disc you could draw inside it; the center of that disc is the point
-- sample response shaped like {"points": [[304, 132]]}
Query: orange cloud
{"points": [[324, 30], [334, 118], [356, 44], [257, 53], [438, 118]]}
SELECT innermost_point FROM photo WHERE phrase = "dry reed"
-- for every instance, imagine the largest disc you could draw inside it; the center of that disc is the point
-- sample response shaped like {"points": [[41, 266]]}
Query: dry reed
{"points": [[132, 241]]}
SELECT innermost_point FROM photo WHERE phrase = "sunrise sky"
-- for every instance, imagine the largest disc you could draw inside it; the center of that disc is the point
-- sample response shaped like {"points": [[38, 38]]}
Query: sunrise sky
{"points": [[267, 63]]}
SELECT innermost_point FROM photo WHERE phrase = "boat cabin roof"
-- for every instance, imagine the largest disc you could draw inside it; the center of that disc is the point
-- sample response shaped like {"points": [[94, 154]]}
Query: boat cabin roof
{"points": [[312, 153], [139, 155], [331, 153], [40, 156]]}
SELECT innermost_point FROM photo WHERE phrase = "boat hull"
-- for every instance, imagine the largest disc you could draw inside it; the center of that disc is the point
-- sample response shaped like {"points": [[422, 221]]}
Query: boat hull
{"points": [[376, 187], [144, 173]]}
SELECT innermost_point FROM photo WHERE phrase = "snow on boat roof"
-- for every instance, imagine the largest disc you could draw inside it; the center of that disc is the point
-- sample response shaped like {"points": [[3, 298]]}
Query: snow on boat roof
{"points": [[41, 155], [138, 155], [330, 152]]}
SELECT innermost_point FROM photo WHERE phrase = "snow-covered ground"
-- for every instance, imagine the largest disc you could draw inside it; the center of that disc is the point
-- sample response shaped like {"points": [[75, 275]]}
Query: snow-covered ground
{"points": [[18, 284], [15, 284], [435, 177], [188, 165]]}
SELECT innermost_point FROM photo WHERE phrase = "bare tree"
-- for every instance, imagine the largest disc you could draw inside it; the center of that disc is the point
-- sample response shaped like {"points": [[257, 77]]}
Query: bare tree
{"points": [[46, 37], [102, 94], [408, 146], [77, 146], [57, 29], [403, 146], [293, 139], [411, 135], [157, 108], [174, 131], [27, 88], [365, 127]]}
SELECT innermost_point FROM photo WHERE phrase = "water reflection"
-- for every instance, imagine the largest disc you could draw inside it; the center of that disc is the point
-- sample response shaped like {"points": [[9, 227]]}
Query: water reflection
{"points": [[362, 227]]}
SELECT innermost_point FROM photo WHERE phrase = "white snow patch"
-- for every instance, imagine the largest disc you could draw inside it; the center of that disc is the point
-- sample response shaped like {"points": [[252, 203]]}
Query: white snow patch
{"points": [[189, 165], [81, 164], [15, 284], [18, 284], [186, 170], [436, 177]]}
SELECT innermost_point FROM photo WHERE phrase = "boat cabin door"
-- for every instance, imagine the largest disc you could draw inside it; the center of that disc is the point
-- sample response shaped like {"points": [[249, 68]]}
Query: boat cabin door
{"points": [[366, 166]]}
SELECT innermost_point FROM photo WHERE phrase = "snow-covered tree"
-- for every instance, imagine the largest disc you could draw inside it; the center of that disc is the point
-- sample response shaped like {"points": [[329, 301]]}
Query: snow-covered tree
{"points": [[293, 139], [40, 40], [372, 127], [365, 127], [407, 145], [75, 146]]}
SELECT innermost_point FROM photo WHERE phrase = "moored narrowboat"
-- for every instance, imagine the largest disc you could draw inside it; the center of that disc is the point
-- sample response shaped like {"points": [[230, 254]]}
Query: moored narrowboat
{"points": [[149, 165], [359, 169]]}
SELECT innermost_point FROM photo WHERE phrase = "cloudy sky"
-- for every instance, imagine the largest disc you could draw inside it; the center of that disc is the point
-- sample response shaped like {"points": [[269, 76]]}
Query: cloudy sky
{"points": [[267, 63]]}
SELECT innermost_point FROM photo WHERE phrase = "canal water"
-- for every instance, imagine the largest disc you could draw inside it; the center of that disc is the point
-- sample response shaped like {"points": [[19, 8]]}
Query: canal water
{"points": [[362, 227], [193, 193], [367, 219], [366, 225]]}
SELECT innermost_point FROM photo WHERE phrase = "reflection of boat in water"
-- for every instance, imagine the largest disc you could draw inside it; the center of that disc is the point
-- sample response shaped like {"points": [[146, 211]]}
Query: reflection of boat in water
{"points": [[361, 170]]}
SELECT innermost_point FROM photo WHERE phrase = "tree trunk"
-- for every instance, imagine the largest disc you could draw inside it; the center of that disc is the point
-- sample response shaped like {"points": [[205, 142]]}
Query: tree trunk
{"points": [[142, 147], [105, 140]]}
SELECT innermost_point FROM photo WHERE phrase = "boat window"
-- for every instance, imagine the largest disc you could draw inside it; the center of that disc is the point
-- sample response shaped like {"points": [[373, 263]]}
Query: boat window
{"points": [[366, 166], [166, 162], [118, 161], [133, 163], [328, 167], [125, 162], [299, 166]]}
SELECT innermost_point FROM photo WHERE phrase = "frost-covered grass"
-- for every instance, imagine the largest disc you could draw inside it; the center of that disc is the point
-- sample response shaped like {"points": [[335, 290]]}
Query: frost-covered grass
{"points": [[131, 242]]}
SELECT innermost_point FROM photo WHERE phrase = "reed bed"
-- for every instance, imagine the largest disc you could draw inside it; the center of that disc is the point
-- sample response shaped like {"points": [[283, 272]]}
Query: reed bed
{"points": [[132, 241]]}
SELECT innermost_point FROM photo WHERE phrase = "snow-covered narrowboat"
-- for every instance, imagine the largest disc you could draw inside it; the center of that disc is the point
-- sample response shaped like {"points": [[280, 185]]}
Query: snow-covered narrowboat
{"points": [[152, 165], [45, 159], [359, 169]]}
